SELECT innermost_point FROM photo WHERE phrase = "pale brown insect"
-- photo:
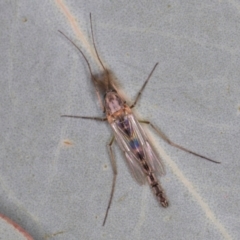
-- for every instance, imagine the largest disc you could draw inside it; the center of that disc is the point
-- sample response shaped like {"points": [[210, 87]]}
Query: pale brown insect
{"points": [[144, 164]]}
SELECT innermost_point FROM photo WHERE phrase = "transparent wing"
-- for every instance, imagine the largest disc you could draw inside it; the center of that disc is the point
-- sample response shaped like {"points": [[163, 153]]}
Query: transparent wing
{"points": [[133, 165], [133, 162], [153, 159], [135, 169]]}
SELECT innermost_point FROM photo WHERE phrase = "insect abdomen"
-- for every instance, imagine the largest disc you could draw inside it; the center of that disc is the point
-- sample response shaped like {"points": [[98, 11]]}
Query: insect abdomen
{"points": [[155, 185], [152, 180]]}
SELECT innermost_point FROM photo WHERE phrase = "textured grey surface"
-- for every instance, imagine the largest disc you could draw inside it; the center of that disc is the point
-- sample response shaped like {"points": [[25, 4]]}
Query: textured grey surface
{"points": [[55, 174]]}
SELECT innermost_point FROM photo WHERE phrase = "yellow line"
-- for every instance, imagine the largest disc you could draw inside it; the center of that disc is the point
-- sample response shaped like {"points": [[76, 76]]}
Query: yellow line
{"points": [[209, 213], [76, 28]]}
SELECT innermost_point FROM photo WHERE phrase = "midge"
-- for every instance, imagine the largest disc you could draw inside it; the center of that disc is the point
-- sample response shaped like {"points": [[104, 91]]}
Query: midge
{"points": [[144, 164]]}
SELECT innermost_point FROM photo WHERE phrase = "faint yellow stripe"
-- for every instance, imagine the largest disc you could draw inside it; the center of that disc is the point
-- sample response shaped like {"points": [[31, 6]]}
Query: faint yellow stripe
{"points": [[209, 214], [76, 28]]}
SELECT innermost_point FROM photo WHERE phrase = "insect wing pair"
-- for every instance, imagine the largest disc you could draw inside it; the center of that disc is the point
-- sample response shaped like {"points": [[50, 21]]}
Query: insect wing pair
{"points": [[136, 146]]}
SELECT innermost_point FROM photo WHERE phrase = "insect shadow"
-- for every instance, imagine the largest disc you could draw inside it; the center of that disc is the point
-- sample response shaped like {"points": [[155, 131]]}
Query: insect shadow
{"points": [[142, 160]]}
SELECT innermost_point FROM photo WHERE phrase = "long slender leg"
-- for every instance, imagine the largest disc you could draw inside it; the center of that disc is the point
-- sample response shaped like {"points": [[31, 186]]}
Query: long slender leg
{"points": [[166, 139], [144, 85], [89, 118], [114, 168]]}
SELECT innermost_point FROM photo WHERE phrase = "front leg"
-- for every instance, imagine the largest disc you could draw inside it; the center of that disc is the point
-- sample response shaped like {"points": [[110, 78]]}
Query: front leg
{"points": [[89, 118], [143, 86]]}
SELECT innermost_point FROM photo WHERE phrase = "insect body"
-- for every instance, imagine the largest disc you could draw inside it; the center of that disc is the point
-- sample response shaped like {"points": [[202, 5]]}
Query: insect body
{"points": [[131, 138], [144, 163]]}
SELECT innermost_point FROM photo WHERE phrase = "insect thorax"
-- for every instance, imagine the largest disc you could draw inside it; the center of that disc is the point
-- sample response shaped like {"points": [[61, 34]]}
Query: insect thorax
{"points": [[115, 106]]}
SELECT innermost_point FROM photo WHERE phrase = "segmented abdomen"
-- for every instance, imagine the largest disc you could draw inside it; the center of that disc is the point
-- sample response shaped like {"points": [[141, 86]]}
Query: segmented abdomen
{"points": [[152, 179], [154, 183]]}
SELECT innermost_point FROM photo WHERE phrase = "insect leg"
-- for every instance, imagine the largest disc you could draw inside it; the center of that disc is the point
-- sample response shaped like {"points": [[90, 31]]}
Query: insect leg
{"points": [[90, 118], [166, 139], [114, 168], [144, 85]]}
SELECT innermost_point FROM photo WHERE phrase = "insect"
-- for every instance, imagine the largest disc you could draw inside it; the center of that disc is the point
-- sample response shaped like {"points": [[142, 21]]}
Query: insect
{"points": [[143, 162]]}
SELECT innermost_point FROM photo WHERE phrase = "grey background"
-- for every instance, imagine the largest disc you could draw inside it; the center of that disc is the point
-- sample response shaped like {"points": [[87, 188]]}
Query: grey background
{"points": [[56, 175]]}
